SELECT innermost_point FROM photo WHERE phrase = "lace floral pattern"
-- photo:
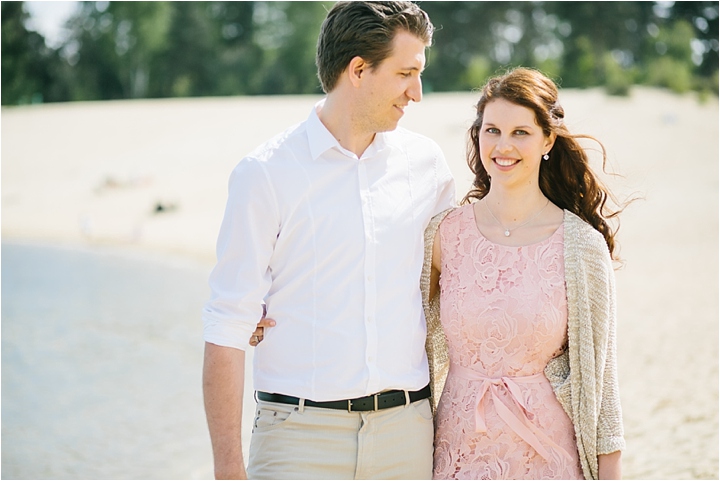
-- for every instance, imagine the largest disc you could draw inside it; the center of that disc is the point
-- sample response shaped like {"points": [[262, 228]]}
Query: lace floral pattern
{"points": [[504, 313]]}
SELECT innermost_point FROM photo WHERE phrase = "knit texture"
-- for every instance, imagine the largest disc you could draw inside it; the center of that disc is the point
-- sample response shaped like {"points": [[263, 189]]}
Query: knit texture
{"points": [[584, 377], [436, 343]]}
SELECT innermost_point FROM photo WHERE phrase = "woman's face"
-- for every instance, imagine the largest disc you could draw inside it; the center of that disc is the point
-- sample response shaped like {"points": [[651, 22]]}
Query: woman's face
{"points": [[512, 144]]}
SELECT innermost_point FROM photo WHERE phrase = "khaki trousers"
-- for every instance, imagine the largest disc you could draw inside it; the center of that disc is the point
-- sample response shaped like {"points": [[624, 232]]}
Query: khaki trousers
{"points": [[291, 442]]}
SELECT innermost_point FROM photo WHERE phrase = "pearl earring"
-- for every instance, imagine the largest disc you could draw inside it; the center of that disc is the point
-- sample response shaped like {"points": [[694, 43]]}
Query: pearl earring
{"points": [[546, 157]]}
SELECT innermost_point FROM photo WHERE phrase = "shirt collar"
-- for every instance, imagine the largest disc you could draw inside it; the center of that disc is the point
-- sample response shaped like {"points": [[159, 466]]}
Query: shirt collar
{"points": [[319, 137], [321, 140]]}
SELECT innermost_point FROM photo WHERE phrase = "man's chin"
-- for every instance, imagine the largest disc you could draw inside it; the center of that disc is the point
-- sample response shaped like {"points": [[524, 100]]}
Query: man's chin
{"points": [[388, 127]]}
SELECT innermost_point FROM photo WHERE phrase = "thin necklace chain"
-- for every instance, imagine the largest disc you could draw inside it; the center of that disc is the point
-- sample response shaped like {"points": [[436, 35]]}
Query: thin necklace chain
{"points": [[508, 231]]}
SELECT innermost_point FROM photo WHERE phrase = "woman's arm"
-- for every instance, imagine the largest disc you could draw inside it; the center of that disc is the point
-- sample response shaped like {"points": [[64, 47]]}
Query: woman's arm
{"points": [[609, 466], [436, 266]]}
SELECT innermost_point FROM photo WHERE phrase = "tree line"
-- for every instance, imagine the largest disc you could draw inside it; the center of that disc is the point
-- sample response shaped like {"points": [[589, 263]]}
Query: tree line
{"points": [[125, 50]]}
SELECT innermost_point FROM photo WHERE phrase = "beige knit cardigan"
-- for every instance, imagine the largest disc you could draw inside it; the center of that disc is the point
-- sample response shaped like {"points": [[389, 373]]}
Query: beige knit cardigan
{"points": [[584, 377]]}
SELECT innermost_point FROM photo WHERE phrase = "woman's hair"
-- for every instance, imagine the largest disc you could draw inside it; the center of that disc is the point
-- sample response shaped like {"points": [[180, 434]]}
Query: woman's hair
{"points": [[566, 177], [365, 29]]}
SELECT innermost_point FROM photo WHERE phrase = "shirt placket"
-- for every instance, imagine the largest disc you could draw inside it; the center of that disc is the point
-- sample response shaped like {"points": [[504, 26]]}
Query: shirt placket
{"points": [[369, 278]]}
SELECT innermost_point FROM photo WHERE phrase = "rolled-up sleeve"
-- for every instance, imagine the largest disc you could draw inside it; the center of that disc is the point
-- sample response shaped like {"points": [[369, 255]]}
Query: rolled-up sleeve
{"points": [[242, 277]]}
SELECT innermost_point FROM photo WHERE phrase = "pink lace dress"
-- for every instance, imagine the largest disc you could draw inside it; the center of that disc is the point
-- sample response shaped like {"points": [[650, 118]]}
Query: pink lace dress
{"points": [[504, 313]]}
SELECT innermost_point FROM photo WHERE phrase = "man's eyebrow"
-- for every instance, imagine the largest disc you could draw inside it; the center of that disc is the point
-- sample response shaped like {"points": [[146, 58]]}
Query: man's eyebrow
{"points": [[413, 69]]}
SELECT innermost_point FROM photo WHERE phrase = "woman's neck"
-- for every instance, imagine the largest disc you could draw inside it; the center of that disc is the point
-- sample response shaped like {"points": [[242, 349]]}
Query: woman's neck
{"points": [[514, 205]]}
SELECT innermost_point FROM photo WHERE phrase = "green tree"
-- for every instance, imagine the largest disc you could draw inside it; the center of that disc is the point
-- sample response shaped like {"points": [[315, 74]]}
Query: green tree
{"points": [[31, 72], [161, 49], [463, 45], [290, 31], [114, 47], [187, 57], [593, 30], [238, 57], [703, 16], [568, 40], [673, 68]]}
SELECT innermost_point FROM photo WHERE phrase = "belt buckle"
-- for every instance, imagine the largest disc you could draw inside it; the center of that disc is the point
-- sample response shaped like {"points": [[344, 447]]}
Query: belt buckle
{"points": [[375, 403]]}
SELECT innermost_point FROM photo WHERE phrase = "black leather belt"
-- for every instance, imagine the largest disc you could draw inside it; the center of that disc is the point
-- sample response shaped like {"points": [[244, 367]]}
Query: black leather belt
{"points": [[375, 402]]}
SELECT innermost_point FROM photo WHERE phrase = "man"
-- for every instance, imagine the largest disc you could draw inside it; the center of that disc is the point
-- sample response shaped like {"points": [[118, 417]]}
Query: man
{"points": [[324, 223]]}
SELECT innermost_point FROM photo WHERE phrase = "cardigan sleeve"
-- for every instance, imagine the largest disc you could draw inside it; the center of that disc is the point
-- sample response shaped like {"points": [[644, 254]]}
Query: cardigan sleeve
{"points": [[585, 380], [610, 426], [436, 343]]}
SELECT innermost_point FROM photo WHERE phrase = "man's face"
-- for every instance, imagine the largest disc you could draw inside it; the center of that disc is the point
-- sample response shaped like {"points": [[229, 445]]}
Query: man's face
{"points": [[388, 88]]}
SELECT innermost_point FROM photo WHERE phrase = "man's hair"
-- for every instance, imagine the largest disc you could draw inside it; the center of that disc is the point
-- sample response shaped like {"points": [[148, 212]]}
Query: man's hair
{"points": [[365, 29]]}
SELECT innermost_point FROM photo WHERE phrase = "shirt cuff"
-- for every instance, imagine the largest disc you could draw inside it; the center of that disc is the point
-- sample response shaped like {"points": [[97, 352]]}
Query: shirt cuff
{"points": [[234, 335]]}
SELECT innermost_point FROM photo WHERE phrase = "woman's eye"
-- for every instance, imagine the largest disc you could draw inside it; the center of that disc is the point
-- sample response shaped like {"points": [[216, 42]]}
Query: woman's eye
{"points": [[492, 130], [521, 132]]}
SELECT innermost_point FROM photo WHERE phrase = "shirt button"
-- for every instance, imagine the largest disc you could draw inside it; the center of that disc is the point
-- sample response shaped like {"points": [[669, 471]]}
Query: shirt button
{"points": [[371, 278], [370, 319]]}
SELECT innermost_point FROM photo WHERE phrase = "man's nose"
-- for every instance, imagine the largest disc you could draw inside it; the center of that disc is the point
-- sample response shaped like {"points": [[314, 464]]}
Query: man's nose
{"points": [[414, 91]]}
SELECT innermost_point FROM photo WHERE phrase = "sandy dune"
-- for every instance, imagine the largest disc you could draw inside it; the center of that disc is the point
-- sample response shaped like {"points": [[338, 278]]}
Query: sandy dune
{"points": [[152, 175]]}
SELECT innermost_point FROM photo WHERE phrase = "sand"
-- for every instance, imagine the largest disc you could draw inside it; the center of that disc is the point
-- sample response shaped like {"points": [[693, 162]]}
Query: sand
{"points": [[152, 176]]}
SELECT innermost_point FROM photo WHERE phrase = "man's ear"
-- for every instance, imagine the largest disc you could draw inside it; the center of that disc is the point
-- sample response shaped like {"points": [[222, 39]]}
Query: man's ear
{"points": [[356, 69]]}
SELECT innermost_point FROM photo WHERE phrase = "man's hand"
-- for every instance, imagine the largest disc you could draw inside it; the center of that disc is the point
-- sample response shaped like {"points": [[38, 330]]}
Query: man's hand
{"points": [[259, 333]]}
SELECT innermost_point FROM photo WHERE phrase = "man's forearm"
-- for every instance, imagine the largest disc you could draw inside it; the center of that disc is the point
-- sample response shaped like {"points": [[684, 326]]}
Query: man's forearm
{"points": [[223, 386]]}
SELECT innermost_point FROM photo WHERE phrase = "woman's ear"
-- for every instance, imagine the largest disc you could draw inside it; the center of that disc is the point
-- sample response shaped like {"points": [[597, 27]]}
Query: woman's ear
{"points": [[550, 141]]}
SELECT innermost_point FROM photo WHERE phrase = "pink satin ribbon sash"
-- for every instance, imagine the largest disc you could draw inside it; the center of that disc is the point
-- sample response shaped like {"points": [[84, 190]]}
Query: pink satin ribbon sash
{"points": [[521, 424]]}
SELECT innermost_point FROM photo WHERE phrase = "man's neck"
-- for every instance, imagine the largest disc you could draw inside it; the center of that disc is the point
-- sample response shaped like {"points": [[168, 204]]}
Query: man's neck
{"points": [[337, 117]]}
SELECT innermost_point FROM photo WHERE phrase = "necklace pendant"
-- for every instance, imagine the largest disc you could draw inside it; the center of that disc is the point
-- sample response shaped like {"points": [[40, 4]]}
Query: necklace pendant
{"points": [[507, 233]]}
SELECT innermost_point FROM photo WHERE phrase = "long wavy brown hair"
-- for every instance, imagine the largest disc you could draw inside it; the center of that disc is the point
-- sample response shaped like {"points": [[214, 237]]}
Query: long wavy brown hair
{"points": [[566, 177]]}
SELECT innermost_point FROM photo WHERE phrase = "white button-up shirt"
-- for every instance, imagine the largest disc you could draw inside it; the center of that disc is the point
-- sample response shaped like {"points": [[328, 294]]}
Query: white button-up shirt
{"points": [[333, 244]]}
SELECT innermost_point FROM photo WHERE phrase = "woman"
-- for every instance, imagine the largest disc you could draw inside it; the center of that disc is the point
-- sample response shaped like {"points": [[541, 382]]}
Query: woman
{"points": [[526, 301]]}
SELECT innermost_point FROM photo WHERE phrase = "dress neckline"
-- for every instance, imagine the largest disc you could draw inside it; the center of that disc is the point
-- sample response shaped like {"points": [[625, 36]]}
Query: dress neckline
{"points": [[471, 210]]}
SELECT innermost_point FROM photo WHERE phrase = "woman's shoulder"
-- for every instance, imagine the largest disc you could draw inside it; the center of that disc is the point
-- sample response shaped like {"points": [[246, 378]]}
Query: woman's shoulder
{"points": [[581, 234], [584, 244], [444, 216], [451, 215], [435, 222]]}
